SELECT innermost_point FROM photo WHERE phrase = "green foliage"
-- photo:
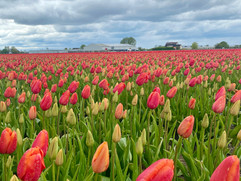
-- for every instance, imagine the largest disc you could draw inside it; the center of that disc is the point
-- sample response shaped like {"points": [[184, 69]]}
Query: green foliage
{"points": [[128, 40], [162, 48], [194, 45], [82, 46], [222, 44]]}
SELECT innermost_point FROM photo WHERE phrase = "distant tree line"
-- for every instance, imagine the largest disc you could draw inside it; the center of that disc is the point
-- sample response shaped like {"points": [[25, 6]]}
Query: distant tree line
{"points": [[10, 50]]}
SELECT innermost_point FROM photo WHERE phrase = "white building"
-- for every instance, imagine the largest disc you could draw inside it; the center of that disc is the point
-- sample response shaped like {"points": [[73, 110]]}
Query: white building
{"points": [[109, 47], [48, 51]]}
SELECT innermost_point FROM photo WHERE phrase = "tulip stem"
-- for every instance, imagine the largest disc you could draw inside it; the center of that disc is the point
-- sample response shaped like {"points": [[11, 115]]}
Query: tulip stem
{"points": [[88, 160], [214, 131], [105, 122], [96, 177], [43, 120], [148, 134], [166, 131], [58, 123], [58, 173], [175, 158], [202, 142], [53, 172], [140, 165], [229, 125], [4, 166], [113, 161], [209, 142]]}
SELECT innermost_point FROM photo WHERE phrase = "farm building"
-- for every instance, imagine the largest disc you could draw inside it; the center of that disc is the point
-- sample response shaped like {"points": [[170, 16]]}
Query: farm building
{"points": [[175, 45], [109, 47], [48, 51]]}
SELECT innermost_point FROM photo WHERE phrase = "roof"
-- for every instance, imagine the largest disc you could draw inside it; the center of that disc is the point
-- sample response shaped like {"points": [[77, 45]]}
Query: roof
{"points": [[112, 45]]}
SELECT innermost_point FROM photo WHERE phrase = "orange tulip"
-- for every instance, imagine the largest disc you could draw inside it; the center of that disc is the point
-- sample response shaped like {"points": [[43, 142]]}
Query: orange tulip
{"points": [[8, 141], [236, 96], [41, 141], [192, 103], [186, 127], [161, 100], [119, 111], [228, 170], [219, 104], [162, 169], [32, 112], [100, 161], [21, 98], [31, 165]]}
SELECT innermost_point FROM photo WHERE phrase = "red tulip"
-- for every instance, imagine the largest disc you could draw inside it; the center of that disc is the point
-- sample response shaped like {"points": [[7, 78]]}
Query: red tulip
{"points": [[31, 165], [172, 92], [34, 97], [32, 113], [228, 170], [21, 98], [186, 127], [8, 92], [192, 82], [95, 80], [64, 99], [192, 103], [14, 90], [36, 86], [41, 141], [8, 141], [153, 100], [119, 111], [166, 81], [162, 100], [61, 83], [100, 161], [73, 99], [157, 89], [120, 87], [236, 97], [54, 88], [86, 92], [161, 170], [219, 104], [8, 102], [220, 93], [46, 102], [141, 79], [73, 86], [104, 84]]}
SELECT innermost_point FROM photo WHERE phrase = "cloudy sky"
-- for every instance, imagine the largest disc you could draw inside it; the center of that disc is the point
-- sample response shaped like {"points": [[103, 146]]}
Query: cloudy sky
{"points": [[56, 24]]}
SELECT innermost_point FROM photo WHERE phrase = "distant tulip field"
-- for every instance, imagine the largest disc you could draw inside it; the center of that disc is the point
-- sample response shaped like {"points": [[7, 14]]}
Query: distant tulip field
{"points": [[124, 116]]}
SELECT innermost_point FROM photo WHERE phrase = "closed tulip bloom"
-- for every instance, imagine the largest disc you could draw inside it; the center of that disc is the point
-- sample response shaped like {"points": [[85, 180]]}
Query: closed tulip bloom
{"points": [[120, 87], [232, 87], [73, 86], [236, 96], [219, 104], [32, 112], [36, 86], [141, 79], [172, 92], [42, 141], [119, 111], [157, 89], [192, 82], [61, 83], [186, 127], [153, 100], [14, 90], [100, 161], [104, 84], [85, 92], [95, 80], [64, 99], [21, 98], [161, 170], [73, 99], [54, 88], [8, 92], [31, 165], [192, 103], [3, 106], [8, 102], [166, 81], [228, 170], [161, 100], [220, 93], [46, 102], [8, 141], [219, 78]]}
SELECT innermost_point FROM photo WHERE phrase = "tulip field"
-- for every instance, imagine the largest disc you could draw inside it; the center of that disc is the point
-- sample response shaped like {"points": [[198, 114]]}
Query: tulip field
{"points": [[124, 116]]}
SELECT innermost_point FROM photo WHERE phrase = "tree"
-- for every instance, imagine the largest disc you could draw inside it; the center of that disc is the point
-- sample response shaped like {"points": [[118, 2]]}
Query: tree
{"points": [[222, 44], [5, 50], [82, 46], [128, 40], [194, 45], [14, 50]]}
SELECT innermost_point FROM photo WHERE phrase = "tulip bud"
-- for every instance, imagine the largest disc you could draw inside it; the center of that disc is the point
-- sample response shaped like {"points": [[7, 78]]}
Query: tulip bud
{"points": [[163, 114], [106, 103], [102, 106], [19, 137], [55, 99], [87, 111], [9, 161], [53, 148], [192, 103], [64, 109], [205, 121], [95, 109], [219, 104], [55, 110], [186, 127], [142, 92], [167, 108], [21, 119], [239, 135], [14, 178], [205, 85], [8, 117], [115, 97], [139, 146], [128, 86], [131, 93], [234, 110], [28, 94], [48, 113], [124, 114], [222, 140], [119, 111], [143, 137], [135, 100], [89, 139], [3, 106], [169, 115], [71, 119], [209, 92], [116, 136], [59, 158]]}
